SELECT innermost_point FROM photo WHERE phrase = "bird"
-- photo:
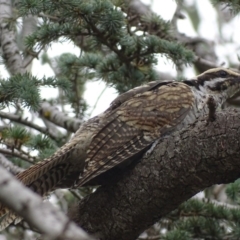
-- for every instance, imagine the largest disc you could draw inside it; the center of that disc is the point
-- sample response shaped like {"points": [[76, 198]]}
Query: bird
{"points": [[134, 121]]}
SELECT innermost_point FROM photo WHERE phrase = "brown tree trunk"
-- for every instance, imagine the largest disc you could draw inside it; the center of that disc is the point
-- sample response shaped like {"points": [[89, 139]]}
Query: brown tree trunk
{"points": [[180, 166]]}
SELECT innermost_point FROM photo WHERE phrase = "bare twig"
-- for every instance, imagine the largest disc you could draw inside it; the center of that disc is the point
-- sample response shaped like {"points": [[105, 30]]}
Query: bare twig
{"points": [[17, 153], [96, 102], [157, 237], [19, 119]]}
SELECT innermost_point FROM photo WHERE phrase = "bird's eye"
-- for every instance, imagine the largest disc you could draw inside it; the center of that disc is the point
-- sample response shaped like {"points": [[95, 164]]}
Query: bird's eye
{"points": [[222, 73]]}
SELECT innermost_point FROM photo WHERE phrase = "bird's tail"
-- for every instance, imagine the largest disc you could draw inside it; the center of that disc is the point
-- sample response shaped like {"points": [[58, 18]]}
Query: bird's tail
{"points": [[41, 178]]}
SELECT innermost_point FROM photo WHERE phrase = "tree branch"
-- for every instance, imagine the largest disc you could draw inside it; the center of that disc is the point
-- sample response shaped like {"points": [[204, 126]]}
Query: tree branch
{"points": [[4, 162], [19, 119], [180, 166], [16, 153], [42, 215], [10, 49], [205, 56], [52, 114]]}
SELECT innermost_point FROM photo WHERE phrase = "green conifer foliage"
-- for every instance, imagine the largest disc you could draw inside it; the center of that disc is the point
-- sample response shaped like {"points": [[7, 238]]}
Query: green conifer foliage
{"points": [[120, 47]]}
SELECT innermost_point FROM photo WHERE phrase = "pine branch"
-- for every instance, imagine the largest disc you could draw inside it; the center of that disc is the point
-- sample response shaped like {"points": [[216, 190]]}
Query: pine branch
{"points": [[19, 119]]}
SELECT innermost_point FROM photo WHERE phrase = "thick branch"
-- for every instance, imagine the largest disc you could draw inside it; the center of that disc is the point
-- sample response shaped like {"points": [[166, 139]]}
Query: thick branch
{"points": [[180, 166]]}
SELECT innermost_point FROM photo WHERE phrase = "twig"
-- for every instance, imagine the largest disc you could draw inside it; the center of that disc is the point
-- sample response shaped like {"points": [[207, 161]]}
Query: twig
{"points": [[100, 95], [19, 119], [157, 237], [205, 62], [17, 153]]}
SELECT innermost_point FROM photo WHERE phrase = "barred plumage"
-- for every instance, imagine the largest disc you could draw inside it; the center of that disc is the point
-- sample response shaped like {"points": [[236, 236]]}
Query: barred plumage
{"points": [[129, 126]]}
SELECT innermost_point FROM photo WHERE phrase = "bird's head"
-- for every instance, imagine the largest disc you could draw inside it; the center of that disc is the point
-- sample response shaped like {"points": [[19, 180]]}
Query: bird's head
{"points": [[220, 80]]}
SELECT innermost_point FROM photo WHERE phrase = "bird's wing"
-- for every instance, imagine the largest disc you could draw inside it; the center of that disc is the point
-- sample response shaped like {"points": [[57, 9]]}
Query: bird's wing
{"points": [[135, 125]]}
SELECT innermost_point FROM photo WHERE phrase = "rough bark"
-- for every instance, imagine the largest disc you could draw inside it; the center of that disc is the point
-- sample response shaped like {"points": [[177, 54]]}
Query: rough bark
{"points": [[180, 166], [10, 51]]}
